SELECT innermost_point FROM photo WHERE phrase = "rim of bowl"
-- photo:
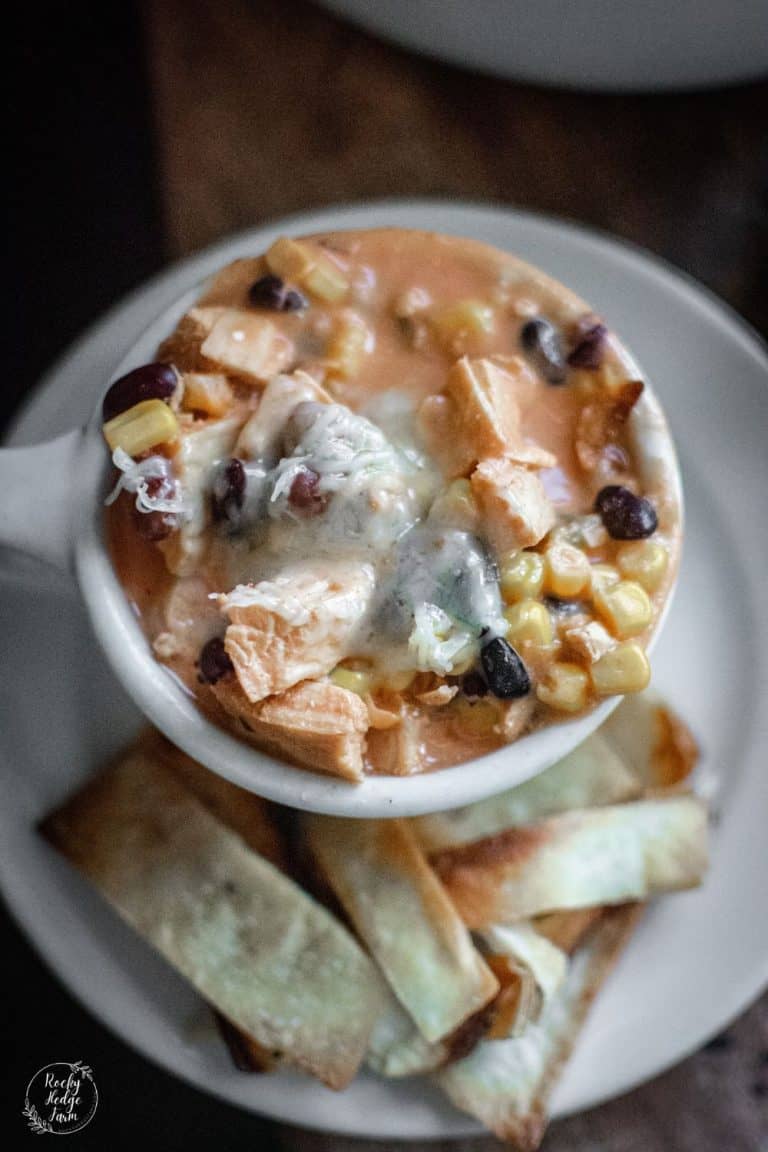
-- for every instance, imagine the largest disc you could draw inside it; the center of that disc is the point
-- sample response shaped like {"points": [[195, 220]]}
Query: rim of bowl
{"points": [[171, 709]]}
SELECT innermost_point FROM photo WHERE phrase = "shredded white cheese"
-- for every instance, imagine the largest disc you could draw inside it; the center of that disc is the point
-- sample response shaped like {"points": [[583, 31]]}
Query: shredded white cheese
{"points": [[438, 642], [134, 477]]}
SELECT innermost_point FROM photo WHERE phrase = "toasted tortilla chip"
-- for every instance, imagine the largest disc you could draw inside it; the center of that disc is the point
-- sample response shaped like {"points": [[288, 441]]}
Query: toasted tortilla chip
{"points": [[265, 955], [541, 967], [590, 776], [578, 859], [252, 818], [399, 909], [397, 1048], [316, 725], [247, 1055], [566, 930], [506, 1083], [652, 740]]}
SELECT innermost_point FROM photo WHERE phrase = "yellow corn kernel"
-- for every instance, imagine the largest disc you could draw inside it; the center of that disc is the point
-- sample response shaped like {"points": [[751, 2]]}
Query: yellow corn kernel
{"points": [[463, 320], [624, 669], [603, 575], [208, 393], [567, 571], [351, 679], [288, 258], [645, 561], [349, 345], [529, 623], [479, 718], [624, 607], [308, 266], [147, 424], [522, 575], [326, 281], [565, 687]]}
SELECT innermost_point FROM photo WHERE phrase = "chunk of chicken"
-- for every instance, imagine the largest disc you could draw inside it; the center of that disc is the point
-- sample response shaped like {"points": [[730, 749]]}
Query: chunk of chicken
{"points": [[260, 436], [244, 343], [295, 627], [601, 421], [314, 724], [588, 640], [514, 509], [199, 448], [477, 415]]}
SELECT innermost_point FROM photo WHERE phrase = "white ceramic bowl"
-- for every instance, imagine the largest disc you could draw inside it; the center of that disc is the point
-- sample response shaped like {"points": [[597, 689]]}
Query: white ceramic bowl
{"points": [[51, 506], [595, 44]]}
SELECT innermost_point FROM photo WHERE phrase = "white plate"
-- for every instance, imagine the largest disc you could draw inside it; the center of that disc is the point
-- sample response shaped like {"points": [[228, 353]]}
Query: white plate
{"points": [[698, 958], [598, 44]]}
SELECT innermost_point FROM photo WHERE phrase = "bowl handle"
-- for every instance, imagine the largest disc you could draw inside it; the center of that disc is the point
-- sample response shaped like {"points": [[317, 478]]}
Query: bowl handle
{"points": [[37, 497]]}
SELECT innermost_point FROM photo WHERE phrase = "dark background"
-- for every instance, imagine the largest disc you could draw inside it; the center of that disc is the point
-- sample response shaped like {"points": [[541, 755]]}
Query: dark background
{"points": [[121, 121]]}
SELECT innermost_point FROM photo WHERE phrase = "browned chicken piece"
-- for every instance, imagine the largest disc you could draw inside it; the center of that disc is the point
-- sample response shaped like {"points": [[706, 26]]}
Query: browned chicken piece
{"points": [[315, 724], [477, 414], [246, 344], [514, 509], [601, 422], [259, 437], [398, 750], [295, 627]]}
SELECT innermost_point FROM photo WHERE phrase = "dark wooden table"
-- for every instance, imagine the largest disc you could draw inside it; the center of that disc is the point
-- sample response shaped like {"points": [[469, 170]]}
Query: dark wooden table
{"points": [[174, 122]]}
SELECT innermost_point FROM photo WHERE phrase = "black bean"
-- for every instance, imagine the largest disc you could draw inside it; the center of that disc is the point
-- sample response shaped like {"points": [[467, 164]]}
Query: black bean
{"points": [[214, 661], [541, 341], [473, 684], [505, 672], [590, 348], [272, 292], [149, 382], [564, 607], [625, 515], [228, 491]]}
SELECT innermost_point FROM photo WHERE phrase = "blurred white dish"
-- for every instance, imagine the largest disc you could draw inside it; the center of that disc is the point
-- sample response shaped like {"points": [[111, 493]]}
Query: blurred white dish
{"points": [[699, 957], [598, 44]]}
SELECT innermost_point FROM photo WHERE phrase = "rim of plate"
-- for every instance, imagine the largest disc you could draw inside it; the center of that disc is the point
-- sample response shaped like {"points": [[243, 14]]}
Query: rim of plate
{"points": [[43, 408]]}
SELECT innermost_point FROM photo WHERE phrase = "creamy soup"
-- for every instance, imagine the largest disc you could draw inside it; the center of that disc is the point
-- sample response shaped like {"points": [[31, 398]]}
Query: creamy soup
{"points": [[377, 505]]}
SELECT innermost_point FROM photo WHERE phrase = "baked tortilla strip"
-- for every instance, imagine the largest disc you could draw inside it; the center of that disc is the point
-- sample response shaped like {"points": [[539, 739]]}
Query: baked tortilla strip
{"points": [[592, 775], [316, 725], [578, 859], [253, 819], [396, 1047], [652, 740], [541, 967], [506, 1083], [402, 914], [566, 930], [265, 955], [247, 1055]]}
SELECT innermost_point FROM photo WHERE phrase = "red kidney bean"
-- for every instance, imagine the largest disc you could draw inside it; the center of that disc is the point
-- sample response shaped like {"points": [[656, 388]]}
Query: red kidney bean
{"points": [[625, 515], [304, 495], [156, 526], [228, 491], [149, 382], [590, 347]]}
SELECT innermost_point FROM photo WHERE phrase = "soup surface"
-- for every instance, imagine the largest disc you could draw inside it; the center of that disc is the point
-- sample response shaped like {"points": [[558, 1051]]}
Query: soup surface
{"points": [[377, 504]]}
